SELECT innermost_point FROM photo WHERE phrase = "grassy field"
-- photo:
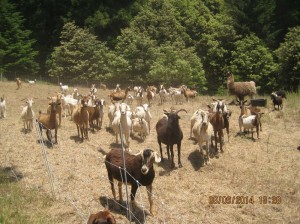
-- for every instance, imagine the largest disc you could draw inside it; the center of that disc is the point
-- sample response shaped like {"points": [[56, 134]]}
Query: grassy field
{"points": [[267, 168]]}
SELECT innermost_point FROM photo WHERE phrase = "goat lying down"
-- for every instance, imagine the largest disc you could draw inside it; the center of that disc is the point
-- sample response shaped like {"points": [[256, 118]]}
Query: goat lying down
{"points": [[139, 171]]}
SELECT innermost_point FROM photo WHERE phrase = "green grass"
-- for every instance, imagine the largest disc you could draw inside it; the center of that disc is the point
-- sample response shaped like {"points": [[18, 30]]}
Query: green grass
{"points": [[20, 205]]}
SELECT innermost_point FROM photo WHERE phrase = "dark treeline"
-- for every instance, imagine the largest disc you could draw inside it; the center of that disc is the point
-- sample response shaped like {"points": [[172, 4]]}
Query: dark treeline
{"points": [[153, 41]]}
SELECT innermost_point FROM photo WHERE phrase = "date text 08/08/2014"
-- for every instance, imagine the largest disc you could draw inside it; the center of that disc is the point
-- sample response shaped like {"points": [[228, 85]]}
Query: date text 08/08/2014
{"points": [[264, 199]]}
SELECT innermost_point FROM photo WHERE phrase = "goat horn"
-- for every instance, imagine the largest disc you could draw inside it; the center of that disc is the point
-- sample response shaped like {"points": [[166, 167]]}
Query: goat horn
{"points": [[180, 110]]}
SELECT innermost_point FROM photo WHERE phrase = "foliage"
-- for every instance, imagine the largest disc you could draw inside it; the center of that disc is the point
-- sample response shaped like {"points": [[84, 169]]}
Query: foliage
{"points": [[81, 56], [251, 60], [16, 47], [288, 55], [156, 48]]}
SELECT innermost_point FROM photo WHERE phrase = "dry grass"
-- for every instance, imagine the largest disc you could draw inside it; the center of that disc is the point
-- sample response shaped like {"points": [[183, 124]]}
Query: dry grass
{"points": [[265, 167]]}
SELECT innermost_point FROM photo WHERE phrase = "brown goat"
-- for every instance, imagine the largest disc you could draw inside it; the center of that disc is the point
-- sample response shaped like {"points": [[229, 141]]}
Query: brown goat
{"points": [[188, 94], [49, 121], [170, 133], [102, 217], [59, 108], [139, 172], [19, 83], [119, 95], [80, 117]]}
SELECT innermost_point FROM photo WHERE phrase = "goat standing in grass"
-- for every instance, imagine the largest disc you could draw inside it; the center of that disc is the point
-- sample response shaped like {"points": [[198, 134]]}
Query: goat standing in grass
{"points": [[170, 133], [49, 121], [139, 172], [2, 107], [80, 117], [27, 115], [217, 121]]}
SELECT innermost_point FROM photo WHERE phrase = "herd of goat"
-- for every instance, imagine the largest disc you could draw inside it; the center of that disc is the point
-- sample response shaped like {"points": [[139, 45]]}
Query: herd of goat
{"points": [[87, 111]]}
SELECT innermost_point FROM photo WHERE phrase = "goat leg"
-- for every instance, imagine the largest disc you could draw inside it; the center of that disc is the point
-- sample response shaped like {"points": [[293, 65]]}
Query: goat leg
{"points": [[149, 192], [120, 191], [178, 149]]}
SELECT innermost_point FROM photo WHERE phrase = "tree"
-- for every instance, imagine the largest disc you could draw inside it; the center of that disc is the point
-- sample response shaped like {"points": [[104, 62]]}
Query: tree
{"points": [[81, 56], [16, 55], [251, 60], [288, 55], [156, 48]]}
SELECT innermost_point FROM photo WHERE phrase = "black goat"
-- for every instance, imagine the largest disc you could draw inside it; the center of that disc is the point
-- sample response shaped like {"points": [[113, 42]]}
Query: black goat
{"points": [[170, 133], [139, 171], [277, 100], [281, 93]]}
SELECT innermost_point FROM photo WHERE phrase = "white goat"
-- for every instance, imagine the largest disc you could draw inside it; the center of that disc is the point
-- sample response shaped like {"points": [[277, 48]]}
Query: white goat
{"points": [[123, 117], [31, 82], [2, 107], [130, 99], [203, 131], [27, 115], [195, 117], [63, 88], [112, 109], [102, 103], [140, 126]]}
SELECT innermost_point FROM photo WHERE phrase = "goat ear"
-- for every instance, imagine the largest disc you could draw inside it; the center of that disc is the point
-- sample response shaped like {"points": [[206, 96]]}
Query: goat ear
{"points": [[157, 158]]}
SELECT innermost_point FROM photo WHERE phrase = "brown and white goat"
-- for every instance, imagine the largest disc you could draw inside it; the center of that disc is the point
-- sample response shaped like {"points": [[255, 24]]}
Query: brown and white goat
{"points": [[250, 122], [49, 121], [139, 171], [218, 123], [169, 132]]}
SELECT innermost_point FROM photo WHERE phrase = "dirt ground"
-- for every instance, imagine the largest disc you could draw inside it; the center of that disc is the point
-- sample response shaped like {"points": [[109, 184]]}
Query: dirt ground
{"points": [[267, 168]]}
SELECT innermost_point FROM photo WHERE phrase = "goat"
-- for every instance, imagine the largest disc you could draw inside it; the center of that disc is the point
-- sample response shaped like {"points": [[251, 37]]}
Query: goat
{"points": [[60, 106], [118, 95], [150, 95], [281, 93], [277, 100], [140, 125], [123, 117], [2, 107], [188, 94], [31, 82], [170, 133], [138, 170], [250, 122], [112, 109], [245, 110], [93, 89], [162, 94], [136, 90], [217, 121], [63, 88], [226, 115], [102, 217], [130, 99], [27, 115], [49, 121], [103, 86], [101, 103], [140, 96], [80, 117], [240, 89], [203, 131], [19, 83]]}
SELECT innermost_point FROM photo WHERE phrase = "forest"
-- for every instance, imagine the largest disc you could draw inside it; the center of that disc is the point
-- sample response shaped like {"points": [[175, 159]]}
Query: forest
{"points": [[194, 42]]}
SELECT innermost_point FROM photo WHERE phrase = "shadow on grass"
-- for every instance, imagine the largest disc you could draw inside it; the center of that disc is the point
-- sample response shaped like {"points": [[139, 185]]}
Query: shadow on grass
{"points": [[9, 175], [137, 216]]}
